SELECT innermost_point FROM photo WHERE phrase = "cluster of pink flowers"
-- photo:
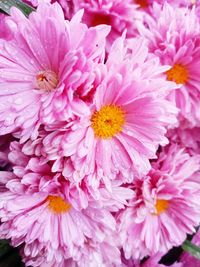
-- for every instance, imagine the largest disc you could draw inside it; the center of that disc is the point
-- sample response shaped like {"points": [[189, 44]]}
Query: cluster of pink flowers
{"points": [[100, 131]]}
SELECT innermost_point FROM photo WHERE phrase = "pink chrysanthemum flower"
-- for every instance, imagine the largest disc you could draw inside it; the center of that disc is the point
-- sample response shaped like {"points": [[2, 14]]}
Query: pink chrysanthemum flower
{"points": [[55, 227], [116, 13], [165, 207], [173, 35], [113, 141], [41, 87]]}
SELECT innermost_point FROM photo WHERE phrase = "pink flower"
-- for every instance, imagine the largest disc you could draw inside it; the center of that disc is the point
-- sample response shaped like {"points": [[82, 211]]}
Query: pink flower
{"points": [[48, 220], [112, 141], [120, 15], [165, 207], [173, 35], [39, 87]]}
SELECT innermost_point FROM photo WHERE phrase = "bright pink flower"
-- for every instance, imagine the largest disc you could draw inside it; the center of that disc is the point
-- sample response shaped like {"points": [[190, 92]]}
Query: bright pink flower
{"points": [[41, 87], [116, 13], [112, 142], [173, 35], [48, 220], [165, 207]]}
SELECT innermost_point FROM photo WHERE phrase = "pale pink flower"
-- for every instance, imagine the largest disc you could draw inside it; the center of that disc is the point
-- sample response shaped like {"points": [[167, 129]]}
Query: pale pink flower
{"points": [[173, 35], [39, 86], [165, 207], [112, 142]]}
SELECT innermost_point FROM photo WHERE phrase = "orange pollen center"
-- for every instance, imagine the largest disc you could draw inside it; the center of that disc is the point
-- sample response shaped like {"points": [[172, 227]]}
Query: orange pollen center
{"points": [[178, 73], [47, 80], [108, 121], [100, 19], [58, 204], [142, 3], [161, 206]]}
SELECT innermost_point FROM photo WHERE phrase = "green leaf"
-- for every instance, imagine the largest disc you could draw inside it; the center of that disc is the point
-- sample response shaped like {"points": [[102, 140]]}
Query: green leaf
{"points": [[192, 249], [5, 6]]}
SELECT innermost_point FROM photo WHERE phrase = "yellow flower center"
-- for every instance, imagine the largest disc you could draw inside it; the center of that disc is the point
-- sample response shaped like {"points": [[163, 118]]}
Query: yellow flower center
{"points": [[161, 206], [142, 3], [46, 80], [178, 73], [58, 204], [108, 121]]}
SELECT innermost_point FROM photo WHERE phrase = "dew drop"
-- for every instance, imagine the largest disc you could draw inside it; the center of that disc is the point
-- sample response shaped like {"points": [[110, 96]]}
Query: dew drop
{"points": [[129, 133], [18, 101]]}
